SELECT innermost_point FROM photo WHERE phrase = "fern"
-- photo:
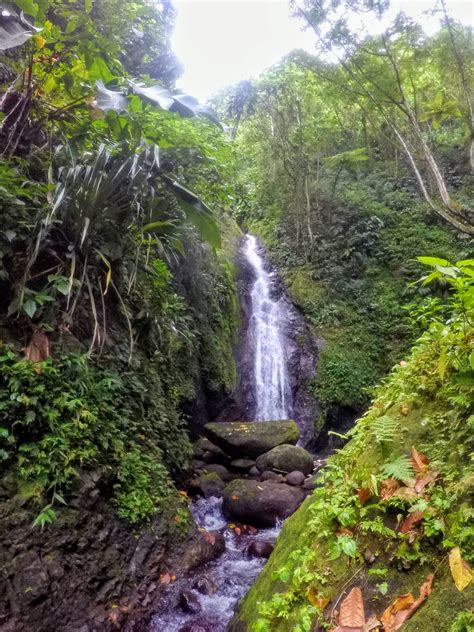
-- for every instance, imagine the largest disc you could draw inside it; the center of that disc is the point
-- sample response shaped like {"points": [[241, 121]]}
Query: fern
{"points": [[385, 429], [401, 469]]}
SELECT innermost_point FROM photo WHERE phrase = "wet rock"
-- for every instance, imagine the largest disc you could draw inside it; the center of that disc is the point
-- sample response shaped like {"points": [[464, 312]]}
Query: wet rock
{"points": [[204, 449], [271, 476], [295, 478], [254, 471], [260, 548], [242, 465], [196, 627], [311, 482], [252, 438], [189, 602], [205, 548], [198, 465], [208, 484], [260, 503], [30, 580], [205, 585], [286, 458], [222, 471], [369, 557]]}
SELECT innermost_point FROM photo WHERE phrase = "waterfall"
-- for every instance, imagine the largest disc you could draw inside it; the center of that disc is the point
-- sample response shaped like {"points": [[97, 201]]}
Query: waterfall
{"points": [[270, 372]]}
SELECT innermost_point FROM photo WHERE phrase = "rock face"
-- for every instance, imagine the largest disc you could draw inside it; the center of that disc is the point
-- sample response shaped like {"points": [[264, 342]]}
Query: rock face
{"points": [[260, 503], [286, 458], [208, 484], [67, 576], [252, 438]]}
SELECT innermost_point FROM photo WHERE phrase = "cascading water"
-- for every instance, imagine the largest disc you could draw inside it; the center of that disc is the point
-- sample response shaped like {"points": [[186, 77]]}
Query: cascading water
{"points": [[271, 382], [233, 573]]}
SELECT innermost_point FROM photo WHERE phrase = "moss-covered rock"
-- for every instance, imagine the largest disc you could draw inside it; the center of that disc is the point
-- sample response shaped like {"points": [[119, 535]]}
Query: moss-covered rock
{"points": [[250, 439], [286, 458], [260, 503]]}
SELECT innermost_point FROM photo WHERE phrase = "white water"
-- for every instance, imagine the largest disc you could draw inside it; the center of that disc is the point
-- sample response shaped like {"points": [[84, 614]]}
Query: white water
{"points": [[270, 376], [232, 574]]}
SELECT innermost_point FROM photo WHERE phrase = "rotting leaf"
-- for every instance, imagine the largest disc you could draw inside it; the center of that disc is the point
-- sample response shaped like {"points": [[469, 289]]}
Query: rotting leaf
{"points": [[364, 494], [413, 518], [38, 347], [316, 600], [419, 461], [422, 482], [352, 613], [404, 607], [389, 487], [460, 569]]}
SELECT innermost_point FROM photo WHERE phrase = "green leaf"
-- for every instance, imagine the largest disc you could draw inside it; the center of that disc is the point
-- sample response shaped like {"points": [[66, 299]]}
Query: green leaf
{"points": [[29, 307], [108, 100], [433, 261]]}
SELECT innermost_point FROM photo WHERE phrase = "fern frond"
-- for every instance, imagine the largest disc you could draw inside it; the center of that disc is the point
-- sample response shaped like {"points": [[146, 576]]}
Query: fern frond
{"points": [[385, 429], [401, 469]]}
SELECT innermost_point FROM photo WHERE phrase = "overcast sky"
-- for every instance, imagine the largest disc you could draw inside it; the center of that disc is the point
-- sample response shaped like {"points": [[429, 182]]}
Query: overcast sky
{"points": [[220, 42]]}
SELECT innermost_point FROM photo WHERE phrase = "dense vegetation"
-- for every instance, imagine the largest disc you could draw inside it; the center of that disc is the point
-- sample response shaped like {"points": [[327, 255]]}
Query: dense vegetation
{"points": [[121, 201], [325, 181], [116, 309], [396, 499]]}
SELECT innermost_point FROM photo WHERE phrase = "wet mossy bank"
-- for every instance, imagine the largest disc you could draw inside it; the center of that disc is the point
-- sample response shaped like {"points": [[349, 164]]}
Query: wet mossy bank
{"points": [[353, 530]]}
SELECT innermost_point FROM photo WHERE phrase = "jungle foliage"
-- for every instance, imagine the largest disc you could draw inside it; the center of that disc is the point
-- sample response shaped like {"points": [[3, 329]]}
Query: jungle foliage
{"points": [[117, 305], [324, 178]]}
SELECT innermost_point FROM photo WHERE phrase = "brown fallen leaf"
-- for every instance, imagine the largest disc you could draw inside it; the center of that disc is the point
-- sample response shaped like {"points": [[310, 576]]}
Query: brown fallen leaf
{"points": [[425, 480], [165, 579], [460, 569], [404, 607], [38, 347], [351, 612], [234, 497], [316, 600], [408, 493], [388, 488], [419, 461], [413, 518], [237, 531], [364, 494], [404, 409], [209, 537]]}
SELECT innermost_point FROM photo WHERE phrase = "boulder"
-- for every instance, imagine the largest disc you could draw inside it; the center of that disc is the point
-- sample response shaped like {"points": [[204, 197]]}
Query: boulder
{"points": [[222, 471], [205, 585], [271, 476], [242, 465], [254, 471], [260, 548], [250, 439], [196, 627], [310, 483], [205, 450], [295, 478], [286, 458], [260, 503], [207, 484], [189, 602]]}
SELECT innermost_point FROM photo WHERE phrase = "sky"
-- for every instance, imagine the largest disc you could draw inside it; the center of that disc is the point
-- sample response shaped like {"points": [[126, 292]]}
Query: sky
{"points": [[221, 42]]}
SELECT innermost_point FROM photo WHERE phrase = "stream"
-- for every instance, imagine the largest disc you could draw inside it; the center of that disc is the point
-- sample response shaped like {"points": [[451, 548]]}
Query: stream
{"points": [[214, 589]]}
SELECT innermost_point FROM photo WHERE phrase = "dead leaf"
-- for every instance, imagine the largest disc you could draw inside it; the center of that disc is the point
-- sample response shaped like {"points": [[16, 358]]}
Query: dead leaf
{"points": [[364, 494], [404, 409], [209, 537], [419, 461], [460, 569], [316, 600], [345, 531], [351, 613], [165, 579], [38, 347], [422, 482], [389, 487], [408, 493], [234, 497], [404, 607], [237, 531], [413, 518]]}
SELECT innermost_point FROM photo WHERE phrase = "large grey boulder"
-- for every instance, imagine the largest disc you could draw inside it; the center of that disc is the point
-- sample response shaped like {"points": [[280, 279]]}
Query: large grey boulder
{"points": [[260, 503], [249, 439], [286, 458]]}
